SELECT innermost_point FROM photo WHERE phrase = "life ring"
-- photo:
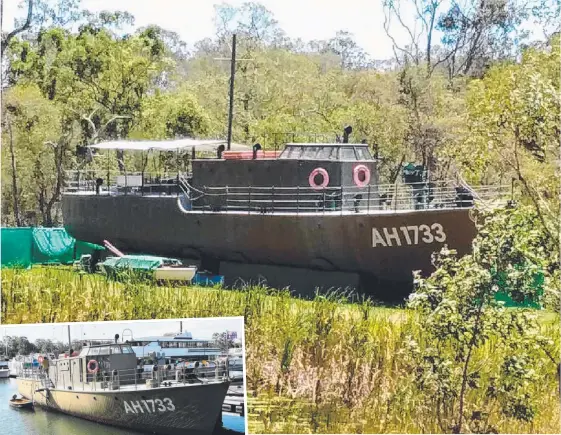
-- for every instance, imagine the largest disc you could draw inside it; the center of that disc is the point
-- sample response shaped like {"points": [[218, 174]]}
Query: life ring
{"points": [[40, 359], [312, 179], [92, 366], [361, 175]]}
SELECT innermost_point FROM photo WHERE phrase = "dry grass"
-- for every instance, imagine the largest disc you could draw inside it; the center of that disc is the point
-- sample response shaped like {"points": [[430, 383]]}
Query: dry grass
{"points": [[312, 366]]}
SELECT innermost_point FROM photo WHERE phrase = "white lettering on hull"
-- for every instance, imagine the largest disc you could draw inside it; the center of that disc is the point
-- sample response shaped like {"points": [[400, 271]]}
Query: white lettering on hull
{"points": [[151, 406], [407, 236]]}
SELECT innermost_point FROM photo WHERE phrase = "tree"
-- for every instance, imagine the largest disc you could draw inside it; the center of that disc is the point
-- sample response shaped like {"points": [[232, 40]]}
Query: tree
{"points": [[461, 320], [222, 341], [37, 151], [6, 38], [513, 127], [472, 34]]}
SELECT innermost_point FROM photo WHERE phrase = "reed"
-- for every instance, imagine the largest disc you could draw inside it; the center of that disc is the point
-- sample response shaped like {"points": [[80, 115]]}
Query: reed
{"points": [[324, 366]]}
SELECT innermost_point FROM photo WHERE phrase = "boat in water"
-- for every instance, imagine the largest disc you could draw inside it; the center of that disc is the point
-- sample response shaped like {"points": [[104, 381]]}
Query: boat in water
{"points": [[4, 369], [103, 384], [312, 215], [20, 403]]}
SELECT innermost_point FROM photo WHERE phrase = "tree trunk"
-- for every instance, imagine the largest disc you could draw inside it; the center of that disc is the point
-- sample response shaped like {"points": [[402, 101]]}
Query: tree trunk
{"points": [[58, 155], [14, 176]]}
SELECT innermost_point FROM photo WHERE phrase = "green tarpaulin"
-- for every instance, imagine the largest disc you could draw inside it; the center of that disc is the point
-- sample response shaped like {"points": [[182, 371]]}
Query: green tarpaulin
{"points": [[22, 247]]}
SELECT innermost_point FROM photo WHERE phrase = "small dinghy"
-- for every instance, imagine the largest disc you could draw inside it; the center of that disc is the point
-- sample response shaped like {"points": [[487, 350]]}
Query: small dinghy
{"points": [[20, 403]]}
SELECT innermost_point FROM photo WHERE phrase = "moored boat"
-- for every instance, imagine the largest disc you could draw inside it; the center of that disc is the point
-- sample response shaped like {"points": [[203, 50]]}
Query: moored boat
{"points": [[102, 384], [20, 403], [4, 369]]}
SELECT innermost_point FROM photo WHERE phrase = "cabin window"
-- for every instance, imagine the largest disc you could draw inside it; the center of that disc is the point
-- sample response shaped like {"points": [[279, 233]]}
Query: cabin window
{"points": [[328, 153], [93, 351], [115, 350], [292, 152], [104, 350], [310, 152], [363, 153], [127, 349], [348, 153]]}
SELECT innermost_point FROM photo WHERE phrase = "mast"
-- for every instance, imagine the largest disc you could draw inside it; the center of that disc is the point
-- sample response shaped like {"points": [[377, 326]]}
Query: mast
{"points": [[69, 352]]}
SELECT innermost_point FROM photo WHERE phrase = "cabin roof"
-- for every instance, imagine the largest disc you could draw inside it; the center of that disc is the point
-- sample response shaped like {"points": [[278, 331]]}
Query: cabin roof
{"points": [[164, 338]]}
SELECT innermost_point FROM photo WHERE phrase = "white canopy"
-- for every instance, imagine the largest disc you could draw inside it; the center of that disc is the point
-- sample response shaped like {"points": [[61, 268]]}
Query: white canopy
{"points": [[167, 145]]}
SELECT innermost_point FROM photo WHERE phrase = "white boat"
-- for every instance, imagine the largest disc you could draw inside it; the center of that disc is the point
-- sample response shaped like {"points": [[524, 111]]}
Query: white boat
{"points": [[4, 369], [175, 273], [175, 346]]}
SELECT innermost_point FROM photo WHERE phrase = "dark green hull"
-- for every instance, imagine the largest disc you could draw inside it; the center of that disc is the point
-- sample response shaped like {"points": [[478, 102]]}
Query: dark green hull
{"points": [[184, 409]]}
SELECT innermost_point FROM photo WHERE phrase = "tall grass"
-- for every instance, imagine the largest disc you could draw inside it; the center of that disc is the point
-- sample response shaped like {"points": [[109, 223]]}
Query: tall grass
{"points": [[324, 365]]}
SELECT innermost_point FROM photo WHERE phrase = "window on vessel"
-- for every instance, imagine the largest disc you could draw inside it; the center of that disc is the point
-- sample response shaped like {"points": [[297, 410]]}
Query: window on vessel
{"points": [[347, 153], [115, 349], [104, 350], [363, 153], [127, 349], [93, 351], [310, 152], [325, 153]]}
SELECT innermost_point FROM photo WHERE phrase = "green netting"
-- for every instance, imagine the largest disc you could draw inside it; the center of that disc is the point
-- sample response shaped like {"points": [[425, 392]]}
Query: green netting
{"points": [[53, 245], [22, 247], [16, 247], [503, 294]]}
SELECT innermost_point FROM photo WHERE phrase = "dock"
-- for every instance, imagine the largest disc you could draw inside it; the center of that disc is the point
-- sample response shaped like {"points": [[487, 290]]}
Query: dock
{"points": [[234, 401]]}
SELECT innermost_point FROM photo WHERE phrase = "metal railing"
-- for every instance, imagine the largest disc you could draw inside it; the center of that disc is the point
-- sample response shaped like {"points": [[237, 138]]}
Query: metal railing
{"points": [[342, 199], [126, 378], [298, 199], [119, 183]]}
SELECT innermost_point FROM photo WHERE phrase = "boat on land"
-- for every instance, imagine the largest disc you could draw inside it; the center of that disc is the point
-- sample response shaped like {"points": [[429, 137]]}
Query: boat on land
{"points": [[314, 215], [20, 403], [103, 384]]}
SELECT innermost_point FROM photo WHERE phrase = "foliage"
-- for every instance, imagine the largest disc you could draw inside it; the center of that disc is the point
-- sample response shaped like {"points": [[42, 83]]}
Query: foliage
{"points": [[323, 366], [223, 341], [460, 317]]}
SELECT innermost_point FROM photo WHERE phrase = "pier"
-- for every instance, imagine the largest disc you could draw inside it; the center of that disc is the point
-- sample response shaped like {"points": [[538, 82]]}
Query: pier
{"points": [[234, 401]]}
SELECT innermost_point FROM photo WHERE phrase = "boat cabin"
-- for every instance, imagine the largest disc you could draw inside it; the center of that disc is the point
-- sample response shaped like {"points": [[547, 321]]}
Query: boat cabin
{"points": [[93, 362]]}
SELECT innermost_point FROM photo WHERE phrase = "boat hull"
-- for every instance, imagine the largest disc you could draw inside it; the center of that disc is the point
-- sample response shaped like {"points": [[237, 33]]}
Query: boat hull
{"points": [[386, 245], [4, 373], [194, 409]]}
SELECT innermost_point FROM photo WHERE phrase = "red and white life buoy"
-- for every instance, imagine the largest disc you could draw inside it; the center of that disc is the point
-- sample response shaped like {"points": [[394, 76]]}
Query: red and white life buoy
{"points": [[312, 179], [93, 367], [361, 175]]}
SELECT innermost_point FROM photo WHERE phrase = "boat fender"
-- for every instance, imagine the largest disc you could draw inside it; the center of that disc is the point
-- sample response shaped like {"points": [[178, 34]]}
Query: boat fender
{"points": [[314, 174], [155, 369], [361, 175], [40, 359], [115, 372], [92, 366]]}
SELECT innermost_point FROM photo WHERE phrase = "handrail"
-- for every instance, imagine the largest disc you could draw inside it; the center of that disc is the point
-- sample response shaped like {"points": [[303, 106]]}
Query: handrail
{"points": [[292, 199], [127, 378]]}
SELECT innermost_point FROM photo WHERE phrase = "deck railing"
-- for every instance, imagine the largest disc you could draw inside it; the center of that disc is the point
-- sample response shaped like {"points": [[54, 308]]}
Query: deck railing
{"points": [[276, 199], [120, 183], [343, 199], [126, 378]]}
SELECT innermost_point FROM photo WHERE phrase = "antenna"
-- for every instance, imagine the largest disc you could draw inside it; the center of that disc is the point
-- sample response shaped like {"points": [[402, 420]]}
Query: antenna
{"points": [[232, 77]]}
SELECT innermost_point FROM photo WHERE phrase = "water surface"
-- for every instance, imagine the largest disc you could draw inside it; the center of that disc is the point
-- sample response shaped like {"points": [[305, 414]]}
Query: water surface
{"points": [[42, 422]]}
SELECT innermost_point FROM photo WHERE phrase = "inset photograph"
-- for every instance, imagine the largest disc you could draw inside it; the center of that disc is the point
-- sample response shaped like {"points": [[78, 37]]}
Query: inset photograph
{"points": [[183, 376]]}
